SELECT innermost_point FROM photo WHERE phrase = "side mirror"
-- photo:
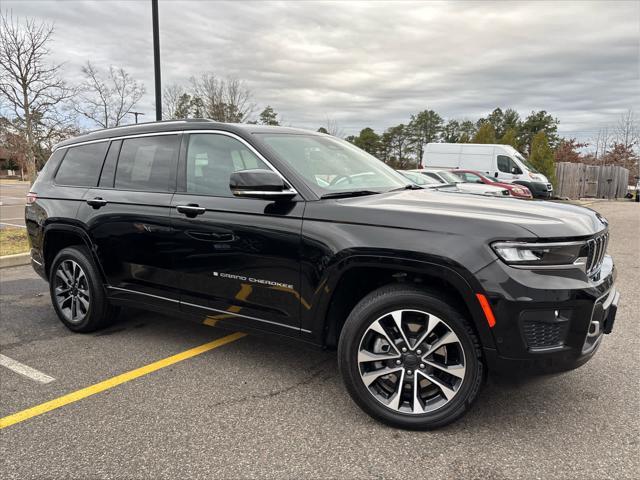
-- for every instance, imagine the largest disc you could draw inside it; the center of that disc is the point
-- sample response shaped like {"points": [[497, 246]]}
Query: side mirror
{"points": [[516, 171], [258, 183]]}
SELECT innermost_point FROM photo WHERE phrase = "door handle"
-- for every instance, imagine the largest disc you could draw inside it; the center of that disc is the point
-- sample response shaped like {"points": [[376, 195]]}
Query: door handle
{"points": [[97, 202], [191, 210]]}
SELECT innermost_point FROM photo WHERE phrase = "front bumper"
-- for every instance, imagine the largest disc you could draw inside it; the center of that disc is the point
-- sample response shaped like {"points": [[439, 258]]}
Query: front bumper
{"points": [[538, 189], [548, 320]]}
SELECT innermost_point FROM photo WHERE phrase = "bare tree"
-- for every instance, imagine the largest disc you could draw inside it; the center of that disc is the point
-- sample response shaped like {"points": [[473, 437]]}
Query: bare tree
{"points": [[332, 127], [31, 86], [106, 101], [171, 100], [627, 131], [602, 143], [224, 100]]}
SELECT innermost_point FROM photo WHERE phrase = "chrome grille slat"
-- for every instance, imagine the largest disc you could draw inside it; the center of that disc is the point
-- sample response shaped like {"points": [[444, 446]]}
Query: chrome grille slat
{"points": [[596, 250]]}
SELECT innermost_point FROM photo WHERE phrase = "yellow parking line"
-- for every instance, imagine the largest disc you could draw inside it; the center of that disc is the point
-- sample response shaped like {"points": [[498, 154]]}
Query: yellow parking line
{"points": [[114, 381]]}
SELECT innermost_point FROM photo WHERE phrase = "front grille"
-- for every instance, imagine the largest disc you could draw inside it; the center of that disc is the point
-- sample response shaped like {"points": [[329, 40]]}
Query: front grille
{"points": [[596, 249], [544, 334]]}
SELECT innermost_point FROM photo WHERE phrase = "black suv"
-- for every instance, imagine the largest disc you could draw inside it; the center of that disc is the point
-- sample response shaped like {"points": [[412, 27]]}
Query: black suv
{"points": [[303, 235]]}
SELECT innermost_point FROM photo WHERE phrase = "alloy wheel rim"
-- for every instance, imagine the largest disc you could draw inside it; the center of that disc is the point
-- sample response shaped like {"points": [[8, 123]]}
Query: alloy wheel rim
{"points": [[71, 291], [411, 361]]}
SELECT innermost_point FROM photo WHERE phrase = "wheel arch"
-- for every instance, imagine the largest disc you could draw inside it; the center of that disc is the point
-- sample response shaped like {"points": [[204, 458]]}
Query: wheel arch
{"points": [[364, 274], [58, 236]]}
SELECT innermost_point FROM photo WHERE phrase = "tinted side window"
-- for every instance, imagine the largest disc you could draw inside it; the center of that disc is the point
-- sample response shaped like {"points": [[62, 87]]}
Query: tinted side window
{"points": [[81, 165], [147, 163], [470, 177], [52, 164], [212, 158], [504, 164]]}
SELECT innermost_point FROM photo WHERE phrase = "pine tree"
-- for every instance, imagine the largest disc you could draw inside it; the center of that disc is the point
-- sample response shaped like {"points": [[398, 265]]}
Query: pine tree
{"points": [[485, 134], [368, 140], [542, 156], [510, 137], [268, 116]]}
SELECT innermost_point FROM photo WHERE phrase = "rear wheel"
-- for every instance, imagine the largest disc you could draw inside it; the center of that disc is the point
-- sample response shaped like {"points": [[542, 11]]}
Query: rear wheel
{"points": [[410, 359], [77, 293]]}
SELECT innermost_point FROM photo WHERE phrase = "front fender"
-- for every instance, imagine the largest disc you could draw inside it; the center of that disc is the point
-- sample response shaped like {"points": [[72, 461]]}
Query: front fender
{"points": [[315, 310]]}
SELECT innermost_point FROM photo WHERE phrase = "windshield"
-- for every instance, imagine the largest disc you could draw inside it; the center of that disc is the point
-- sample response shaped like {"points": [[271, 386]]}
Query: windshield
{"points": [[450, 177], [527, 163], [419, 179], [330, 164]]}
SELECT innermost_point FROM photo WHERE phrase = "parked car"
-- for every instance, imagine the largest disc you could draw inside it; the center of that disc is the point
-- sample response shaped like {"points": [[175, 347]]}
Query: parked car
{"points": [[515, 190], [422, 180], [502, 162], [445, 176], [289, 232]]}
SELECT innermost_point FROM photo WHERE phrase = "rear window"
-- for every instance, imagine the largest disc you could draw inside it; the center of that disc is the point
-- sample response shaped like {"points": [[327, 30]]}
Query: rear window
{"points": [[147, 163], [81, 165]]}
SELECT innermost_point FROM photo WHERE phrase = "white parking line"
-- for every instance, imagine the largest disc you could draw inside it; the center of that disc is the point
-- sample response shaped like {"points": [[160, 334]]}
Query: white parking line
{"points": [[24, 370], [12, 225]]}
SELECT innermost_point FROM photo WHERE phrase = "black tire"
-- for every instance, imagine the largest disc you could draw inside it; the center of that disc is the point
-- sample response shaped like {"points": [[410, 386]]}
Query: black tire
{"points": [[99, 313], [374, 307]]}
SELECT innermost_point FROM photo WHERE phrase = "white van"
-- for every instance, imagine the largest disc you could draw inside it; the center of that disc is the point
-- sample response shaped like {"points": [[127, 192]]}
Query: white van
{"points": [[502, 162]]}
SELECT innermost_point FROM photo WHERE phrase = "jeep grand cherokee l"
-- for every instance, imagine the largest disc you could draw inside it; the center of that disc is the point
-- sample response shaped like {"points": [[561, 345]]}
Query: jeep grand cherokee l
{"points": [[299, 234]]}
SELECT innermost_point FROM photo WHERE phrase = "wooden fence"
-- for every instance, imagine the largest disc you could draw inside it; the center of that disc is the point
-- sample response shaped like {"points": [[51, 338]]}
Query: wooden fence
{"points": [[577, 180]]}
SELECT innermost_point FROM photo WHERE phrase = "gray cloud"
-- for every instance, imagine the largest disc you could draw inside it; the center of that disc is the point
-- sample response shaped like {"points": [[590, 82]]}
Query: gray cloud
{"points": [[373, 63]]}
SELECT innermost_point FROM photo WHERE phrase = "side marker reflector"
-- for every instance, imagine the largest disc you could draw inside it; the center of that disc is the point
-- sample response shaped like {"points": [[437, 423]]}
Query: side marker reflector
{"points": [[486, 308]]}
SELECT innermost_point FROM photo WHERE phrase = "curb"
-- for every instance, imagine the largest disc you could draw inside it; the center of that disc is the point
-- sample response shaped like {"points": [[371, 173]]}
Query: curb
{"points": [[15, 260]]}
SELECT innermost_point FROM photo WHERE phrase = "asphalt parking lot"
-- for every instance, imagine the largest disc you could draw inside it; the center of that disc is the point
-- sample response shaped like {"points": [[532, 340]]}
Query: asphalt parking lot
{"points": [[257, 408], [12, 199]]}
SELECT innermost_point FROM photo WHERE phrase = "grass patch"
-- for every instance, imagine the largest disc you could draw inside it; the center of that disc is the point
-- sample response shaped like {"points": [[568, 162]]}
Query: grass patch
{"points": [[13, 240]]}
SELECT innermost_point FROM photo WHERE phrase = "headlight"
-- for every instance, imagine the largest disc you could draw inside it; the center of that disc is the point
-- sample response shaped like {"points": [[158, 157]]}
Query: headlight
{"points": [[540, 254], [518, 190]]}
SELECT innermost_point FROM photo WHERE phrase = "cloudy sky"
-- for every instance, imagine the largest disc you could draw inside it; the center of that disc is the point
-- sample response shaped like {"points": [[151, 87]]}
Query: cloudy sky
{"points": [[372, 63]]}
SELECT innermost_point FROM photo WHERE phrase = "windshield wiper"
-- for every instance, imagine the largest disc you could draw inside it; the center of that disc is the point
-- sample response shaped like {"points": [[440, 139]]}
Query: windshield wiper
{"points": [[409, 186], [349, 193]]}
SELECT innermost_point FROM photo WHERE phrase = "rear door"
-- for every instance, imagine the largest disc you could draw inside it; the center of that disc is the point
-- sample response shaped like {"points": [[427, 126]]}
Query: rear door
{"points": [[78, 171], [239, 258], [128, 217]]}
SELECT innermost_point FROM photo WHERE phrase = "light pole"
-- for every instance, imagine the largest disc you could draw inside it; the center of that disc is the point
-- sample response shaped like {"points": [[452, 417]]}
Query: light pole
{"points": [[135, 114], [156, 59]]}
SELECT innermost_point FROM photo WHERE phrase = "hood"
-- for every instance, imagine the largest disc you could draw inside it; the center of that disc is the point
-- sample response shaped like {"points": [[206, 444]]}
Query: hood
{"points": [[458, 212]]}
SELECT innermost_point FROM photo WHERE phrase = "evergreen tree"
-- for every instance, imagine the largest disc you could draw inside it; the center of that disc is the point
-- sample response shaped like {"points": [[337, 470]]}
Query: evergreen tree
{"points": [[511, 119], [510, 137], [183, 106], [541, 156], [496, 119], [485, 134], [451, 132], [537, 122], [467, 131], [425, 127], [368, 140], [397, 145], [268, 116]]}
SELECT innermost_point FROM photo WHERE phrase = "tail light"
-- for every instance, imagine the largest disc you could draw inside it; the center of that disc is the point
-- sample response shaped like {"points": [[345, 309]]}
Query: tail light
{"points": [[31, 197]]}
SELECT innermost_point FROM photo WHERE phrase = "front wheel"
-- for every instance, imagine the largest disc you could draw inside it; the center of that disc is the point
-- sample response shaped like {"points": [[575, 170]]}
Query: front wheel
{"points": [[410, 359]]}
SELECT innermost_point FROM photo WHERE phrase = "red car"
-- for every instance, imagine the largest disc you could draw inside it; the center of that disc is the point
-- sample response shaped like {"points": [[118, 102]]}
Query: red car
{"points": [[515, 190]]}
